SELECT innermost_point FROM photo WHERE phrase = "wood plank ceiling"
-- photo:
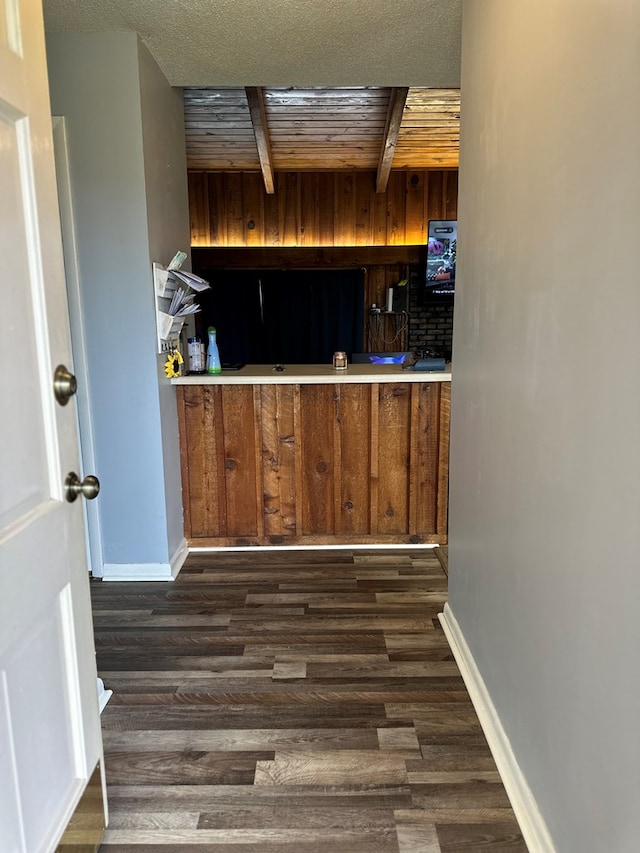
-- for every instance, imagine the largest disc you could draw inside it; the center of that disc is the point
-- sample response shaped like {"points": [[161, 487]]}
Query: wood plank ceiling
{"points": [[317, 129]]}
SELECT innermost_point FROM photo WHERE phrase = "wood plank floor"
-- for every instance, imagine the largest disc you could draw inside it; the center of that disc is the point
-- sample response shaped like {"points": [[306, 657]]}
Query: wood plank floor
{"points": [[304, 702]]}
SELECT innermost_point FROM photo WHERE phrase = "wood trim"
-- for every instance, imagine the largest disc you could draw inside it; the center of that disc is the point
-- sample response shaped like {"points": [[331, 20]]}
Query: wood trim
{"points": [[255, 99], [313, 539], [301, 257], [397, 100]]}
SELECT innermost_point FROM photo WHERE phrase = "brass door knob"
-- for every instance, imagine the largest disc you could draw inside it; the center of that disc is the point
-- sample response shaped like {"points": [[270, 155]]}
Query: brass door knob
{"points": [[65, 384], [74, 486]]}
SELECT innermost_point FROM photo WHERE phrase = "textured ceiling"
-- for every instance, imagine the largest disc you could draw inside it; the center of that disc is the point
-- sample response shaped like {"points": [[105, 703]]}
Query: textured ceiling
{"points": [[283, 42]]}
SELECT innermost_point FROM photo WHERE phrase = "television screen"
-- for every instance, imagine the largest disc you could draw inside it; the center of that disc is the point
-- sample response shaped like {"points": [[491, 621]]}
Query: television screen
{"points": [[441, 257]]}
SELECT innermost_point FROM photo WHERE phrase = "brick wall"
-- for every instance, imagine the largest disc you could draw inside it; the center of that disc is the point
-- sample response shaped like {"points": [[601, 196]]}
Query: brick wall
{"points": [[430, 325]]}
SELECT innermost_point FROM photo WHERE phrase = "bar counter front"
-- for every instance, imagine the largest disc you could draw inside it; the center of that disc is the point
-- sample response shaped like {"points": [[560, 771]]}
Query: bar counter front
{"points": [[309, 455]]}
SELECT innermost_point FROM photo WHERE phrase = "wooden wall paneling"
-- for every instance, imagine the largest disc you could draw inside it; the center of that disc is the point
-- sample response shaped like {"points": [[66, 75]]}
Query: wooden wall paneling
{"points": [[278, 449], [425, 445], [270, 446], [216, 455], [396, 209], [413, 460], [192, 459], [415, 217], [320, 208], [217, 208], [443, 460], [353, 482], [316, 502], [363, 201], [394, 449], [314, 464], [450, 194], [271, 226], [199, 215], [376, 285], [435, 195], [201, 458], [235, 209], [326, 219], [184, 460], [253, 213], [257, 451], [288, 187], [384, 332], [337, 463], [309, 209], [344, 206], [299, 481], [379, 219], [288, 440], [240, 464], [374, 451]]}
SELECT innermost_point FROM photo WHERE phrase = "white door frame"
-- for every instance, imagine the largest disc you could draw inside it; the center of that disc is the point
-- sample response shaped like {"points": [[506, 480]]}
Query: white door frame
{"points": [[78, 341]]}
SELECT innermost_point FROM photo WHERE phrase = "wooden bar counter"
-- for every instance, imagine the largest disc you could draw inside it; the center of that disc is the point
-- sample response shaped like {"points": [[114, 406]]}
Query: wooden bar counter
{"points": [[315, 456]]}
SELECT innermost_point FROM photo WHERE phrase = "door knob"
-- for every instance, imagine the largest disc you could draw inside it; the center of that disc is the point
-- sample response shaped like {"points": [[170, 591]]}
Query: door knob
{"points": [[65, 384], [74, 486]]}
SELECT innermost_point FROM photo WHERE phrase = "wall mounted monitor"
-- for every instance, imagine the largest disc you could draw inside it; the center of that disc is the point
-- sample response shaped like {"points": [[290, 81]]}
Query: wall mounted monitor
{"points": [[441, 259]]}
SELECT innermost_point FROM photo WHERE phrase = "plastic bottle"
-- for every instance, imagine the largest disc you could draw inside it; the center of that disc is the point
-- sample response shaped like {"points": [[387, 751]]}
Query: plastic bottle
{"points": [[196, 355], [213, 356]]}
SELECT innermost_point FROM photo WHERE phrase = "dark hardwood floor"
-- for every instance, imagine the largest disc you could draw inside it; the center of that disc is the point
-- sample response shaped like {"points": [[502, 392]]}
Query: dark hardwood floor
{"points": [[302, 702]]}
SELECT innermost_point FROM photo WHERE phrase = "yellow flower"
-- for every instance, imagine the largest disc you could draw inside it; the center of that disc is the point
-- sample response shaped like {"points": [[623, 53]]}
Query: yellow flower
{"points": [[172, 364]]}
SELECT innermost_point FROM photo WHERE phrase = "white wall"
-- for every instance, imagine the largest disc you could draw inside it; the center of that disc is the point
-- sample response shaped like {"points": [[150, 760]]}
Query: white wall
{"points": [[545, 455], [104, 86]]}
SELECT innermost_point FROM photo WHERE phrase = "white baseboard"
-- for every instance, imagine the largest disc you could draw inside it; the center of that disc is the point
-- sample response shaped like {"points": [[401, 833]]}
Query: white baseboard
{"points": [[177, 561], [137, 572], [103, 695], [147, 571], [532, 825]]}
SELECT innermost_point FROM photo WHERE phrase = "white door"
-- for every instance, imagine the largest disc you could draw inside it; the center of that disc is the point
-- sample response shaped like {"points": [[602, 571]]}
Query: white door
{"points": [[50, 736]]}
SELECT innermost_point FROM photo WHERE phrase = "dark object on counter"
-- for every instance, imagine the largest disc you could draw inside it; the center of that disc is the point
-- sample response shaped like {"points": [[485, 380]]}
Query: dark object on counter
{"points": [[426, 364], [236, 365]]}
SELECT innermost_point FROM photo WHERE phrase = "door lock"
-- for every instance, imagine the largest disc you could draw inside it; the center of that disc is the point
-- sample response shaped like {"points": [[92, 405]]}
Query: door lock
{"points": [[65, 384], [74, 486]]}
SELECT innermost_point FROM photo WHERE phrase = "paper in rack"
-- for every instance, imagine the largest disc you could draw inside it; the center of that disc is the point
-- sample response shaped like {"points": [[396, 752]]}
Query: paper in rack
{"points": [[191, 280]]}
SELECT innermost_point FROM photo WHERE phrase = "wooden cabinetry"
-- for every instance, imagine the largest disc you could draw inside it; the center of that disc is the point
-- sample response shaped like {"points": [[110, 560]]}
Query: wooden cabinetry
{"points": [[315, 464]]}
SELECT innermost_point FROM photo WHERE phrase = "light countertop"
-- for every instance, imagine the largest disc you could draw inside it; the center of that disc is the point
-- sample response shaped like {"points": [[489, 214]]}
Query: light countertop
{"points": [[315, 374]]}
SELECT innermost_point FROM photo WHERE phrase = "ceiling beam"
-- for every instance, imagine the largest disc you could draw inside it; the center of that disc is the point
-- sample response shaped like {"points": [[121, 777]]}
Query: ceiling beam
{"points": [[397, 99], [255, 97]]}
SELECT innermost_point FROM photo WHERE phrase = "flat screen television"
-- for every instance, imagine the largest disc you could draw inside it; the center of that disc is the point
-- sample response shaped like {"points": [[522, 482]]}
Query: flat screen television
{"points": [[441, 259]]}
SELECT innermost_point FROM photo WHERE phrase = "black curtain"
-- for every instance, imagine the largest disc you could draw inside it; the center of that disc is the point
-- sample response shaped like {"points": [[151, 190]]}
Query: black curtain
{"points": [[291, 317], [232, 305]]}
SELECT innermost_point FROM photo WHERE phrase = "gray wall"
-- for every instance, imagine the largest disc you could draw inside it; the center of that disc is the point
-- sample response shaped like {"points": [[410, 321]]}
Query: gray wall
{"points": [[545, 455], [104, 86], [165, 159]]}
